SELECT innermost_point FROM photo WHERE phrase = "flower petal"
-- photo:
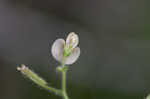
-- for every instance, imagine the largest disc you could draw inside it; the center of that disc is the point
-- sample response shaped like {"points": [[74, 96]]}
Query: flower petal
{"points": [[57, 49], [72, 40], [73, 56]]}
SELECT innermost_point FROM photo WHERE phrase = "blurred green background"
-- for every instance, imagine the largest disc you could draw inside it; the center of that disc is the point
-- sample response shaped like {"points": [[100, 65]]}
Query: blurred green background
{"points": [[114, 41]]}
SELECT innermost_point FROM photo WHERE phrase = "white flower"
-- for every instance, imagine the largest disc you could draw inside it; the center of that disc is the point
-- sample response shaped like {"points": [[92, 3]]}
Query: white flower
{"points": [[69, 47]]}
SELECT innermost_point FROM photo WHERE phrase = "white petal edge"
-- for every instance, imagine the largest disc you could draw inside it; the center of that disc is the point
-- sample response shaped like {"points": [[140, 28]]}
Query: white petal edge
{"points": [[57, 49], [73, 56], [72, 39]]}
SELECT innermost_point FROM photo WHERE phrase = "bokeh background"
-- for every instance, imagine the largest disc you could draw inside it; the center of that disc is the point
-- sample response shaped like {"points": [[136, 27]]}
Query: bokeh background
{"points": [[114, 41]]}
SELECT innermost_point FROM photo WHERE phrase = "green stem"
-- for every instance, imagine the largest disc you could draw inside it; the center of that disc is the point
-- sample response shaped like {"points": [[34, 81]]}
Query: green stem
{"points": [[64, 71], [51, 89]]}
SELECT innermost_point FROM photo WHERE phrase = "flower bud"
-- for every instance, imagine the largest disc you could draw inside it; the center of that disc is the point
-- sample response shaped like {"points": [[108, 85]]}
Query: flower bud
{"points": [[31, 75], [59, 69]]}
